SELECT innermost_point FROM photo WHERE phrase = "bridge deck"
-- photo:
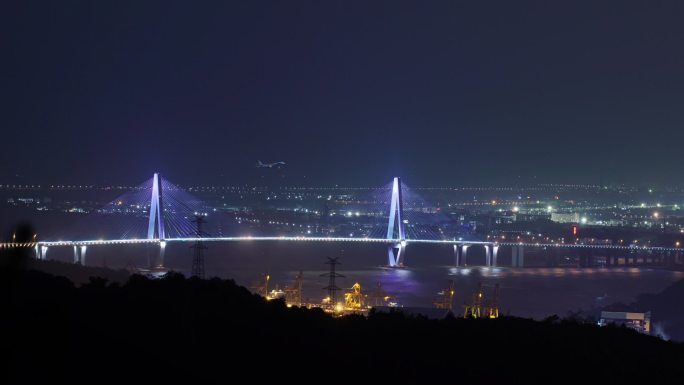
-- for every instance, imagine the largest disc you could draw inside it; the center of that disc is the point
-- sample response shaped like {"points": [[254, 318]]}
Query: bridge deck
{"points": [[327, 239]]}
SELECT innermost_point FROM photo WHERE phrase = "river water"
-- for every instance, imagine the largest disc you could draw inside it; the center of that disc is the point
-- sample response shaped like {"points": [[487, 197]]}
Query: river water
{"points": [[524, 292]]}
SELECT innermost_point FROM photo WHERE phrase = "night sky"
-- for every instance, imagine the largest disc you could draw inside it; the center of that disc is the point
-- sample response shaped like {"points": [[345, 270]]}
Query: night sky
{"points": [[350, 93]]}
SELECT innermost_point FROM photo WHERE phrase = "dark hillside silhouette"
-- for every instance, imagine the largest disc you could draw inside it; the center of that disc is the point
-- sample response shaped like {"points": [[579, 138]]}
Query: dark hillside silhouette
{"points": [[179, 330]]}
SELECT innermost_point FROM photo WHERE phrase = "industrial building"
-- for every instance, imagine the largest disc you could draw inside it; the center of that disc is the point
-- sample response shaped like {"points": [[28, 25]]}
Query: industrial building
{"points": [[640, 322]]}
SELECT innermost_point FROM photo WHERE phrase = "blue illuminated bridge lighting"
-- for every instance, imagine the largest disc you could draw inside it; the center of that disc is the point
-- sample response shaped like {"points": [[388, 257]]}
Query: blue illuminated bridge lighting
{"points": [[170, 211]]}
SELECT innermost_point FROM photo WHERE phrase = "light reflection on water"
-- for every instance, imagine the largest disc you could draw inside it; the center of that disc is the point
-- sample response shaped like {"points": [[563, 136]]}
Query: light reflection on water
{"points": [[526, 292]]}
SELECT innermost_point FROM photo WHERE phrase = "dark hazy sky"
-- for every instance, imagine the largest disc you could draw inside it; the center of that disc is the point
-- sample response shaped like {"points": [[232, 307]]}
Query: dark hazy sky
{"points": [[348, 92]]}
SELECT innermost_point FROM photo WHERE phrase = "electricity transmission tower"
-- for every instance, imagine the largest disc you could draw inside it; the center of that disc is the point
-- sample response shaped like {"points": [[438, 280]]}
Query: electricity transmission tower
{"points": [[199, 247], [332, 288]]}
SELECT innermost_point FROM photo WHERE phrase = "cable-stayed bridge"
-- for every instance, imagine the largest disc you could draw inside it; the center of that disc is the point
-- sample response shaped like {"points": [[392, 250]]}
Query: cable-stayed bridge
{"points": [[160, 213]]}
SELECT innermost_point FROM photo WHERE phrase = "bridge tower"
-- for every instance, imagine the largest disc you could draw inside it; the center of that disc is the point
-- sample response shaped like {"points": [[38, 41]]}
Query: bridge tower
{"points": [[155, 227], [395, 251]]}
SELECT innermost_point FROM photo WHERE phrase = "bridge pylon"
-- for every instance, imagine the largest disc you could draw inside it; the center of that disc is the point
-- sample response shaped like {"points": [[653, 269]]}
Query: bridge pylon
{"points": [[155, 227], [395, 251]]}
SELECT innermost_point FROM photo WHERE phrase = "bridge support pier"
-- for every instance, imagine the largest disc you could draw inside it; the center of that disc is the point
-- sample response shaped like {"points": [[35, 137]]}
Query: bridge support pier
{"points": [[79, 254], [666, 258], [488, 255], [162, 251], [464, 254], [459, 251], [518, 256], [457, 255], [41, 252], [395, 255], [461, 255], [552, 256], [495, 253]]}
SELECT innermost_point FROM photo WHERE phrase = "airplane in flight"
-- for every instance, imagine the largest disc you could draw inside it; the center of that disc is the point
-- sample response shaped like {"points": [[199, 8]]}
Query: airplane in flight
{"points": [[269, 165]]}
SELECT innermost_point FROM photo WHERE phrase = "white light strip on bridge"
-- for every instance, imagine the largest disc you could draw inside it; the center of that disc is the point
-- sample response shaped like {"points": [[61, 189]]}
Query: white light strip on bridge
{"points": [[572, 245], [14, 245], [249, 238], [328, 239], [98, 242]]}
